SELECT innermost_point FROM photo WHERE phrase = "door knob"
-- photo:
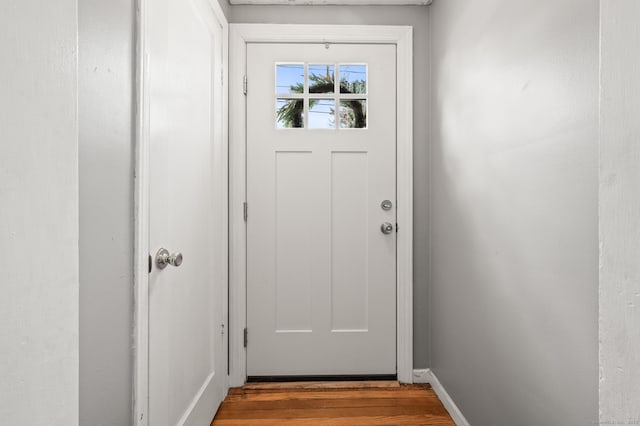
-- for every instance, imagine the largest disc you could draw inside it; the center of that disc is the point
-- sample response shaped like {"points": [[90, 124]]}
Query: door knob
{"points": [[163, 258], [386, 228]]}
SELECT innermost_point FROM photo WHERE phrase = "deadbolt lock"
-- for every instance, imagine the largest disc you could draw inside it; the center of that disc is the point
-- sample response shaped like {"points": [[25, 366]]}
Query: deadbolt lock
{"points": [[386, 228]]}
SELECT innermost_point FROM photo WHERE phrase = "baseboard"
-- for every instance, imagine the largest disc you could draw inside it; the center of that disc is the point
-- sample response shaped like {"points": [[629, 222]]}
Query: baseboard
{"points": [[421, 376], [427, 376]]}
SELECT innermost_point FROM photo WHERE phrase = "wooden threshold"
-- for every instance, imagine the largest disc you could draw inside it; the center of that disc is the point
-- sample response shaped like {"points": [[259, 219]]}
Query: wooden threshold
{"points": [[323, 378], [367, 384]]}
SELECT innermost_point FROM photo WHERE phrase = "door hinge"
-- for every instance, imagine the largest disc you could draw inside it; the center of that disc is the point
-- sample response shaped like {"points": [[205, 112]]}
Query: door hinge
{"points": [[397, 227], [244, 84], [246, 337], [245, 211], [150, 263]]}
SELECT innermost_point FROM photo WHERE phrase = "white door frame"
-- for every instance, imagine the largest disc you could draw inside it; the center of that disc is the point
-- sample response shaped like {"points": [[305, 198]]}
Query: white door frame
{"points": [[240, 35], [141, 197]]}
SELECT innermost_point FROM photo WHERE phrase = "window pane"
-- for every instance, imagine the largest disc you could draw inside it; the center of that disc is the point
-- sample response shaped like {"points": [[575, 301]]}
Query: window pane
{"points": [[289, 78], [322, 114], [353, 79], [321, 78], [353, 114], [289, 113]]}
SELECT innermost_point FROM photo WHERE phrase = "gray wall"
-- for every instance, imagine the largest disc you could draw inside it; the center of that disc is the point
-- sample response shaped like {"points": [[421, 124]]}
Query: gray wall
{"points": [[619, 213], [415, 16], [514, 209], [106, 63]]}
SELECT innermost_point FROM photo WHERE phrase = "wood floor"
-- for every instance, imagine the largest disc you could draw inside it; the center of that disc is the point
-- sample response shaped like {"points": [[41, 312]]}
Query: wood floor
{"points": [[332, 403]]}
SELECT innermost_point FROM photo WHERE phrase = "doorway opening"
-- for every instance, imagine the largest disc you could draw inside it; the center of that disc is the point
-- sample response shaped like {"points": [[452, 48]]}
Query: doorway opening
{"points": [[242, 36]]}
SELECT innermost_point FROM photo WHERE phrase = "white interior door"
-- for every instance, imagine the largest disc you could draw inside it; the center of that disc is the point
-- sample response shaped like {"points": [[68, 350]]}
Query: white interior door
{"points": [[321, 158], [187, 318]]}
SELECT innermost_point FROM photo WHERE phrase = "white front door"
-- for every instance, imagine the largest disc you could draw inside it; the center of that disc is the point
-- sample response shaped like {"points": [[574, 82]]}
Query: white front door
{"points": [[321, 183], [187, 353]]}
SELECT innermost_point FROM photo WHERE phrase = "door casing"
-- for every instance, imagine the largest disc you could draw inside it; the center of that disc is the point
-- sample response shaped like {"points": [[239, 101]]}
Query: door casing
{"points": [[239, 36], [141, 197]]}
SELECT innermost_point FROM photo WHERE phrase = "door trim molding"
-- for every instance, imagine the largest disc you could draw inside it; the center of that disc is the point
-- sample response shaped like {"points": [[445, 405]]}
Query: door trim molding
{"points": [[402, 37], [141, 250]]}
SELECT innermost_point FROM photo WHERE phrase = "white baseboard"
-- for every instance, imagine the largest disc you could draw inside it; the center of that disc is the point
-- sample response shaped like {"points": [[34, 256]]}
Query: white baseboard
{"points": [[421, 376], [427, 376]]}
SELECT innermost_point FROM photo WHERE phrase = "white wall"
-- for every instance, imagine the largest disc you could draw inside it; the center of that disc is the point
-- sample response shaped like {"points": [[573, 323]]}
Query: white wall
{"points": [[106, 93], [514, 267], [38, 213], [619, 212], [415, 16]]}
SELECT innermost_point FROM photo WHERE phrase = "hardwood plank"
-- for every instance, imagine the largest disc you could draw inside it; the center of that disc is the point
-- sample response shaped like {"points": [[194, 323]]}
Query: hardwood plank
{"points": [[328, 403], [322, 404], [330, 412], [321, 395], [350, 421]]}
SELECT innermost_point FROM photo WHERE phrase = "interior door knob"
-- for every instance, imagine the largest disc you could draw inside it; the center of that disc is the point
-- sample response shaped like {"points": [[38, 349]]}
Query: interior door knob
{"points": [[386, 228], [175, 259], [163, 258]]}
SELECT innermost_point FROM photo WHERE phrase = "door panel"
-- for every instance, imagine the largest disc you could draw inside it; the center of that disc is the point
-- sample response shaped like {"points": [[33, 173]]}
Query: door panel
{"points": [[321, 141], [293, 242], [187, 355], [349, 241]]}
